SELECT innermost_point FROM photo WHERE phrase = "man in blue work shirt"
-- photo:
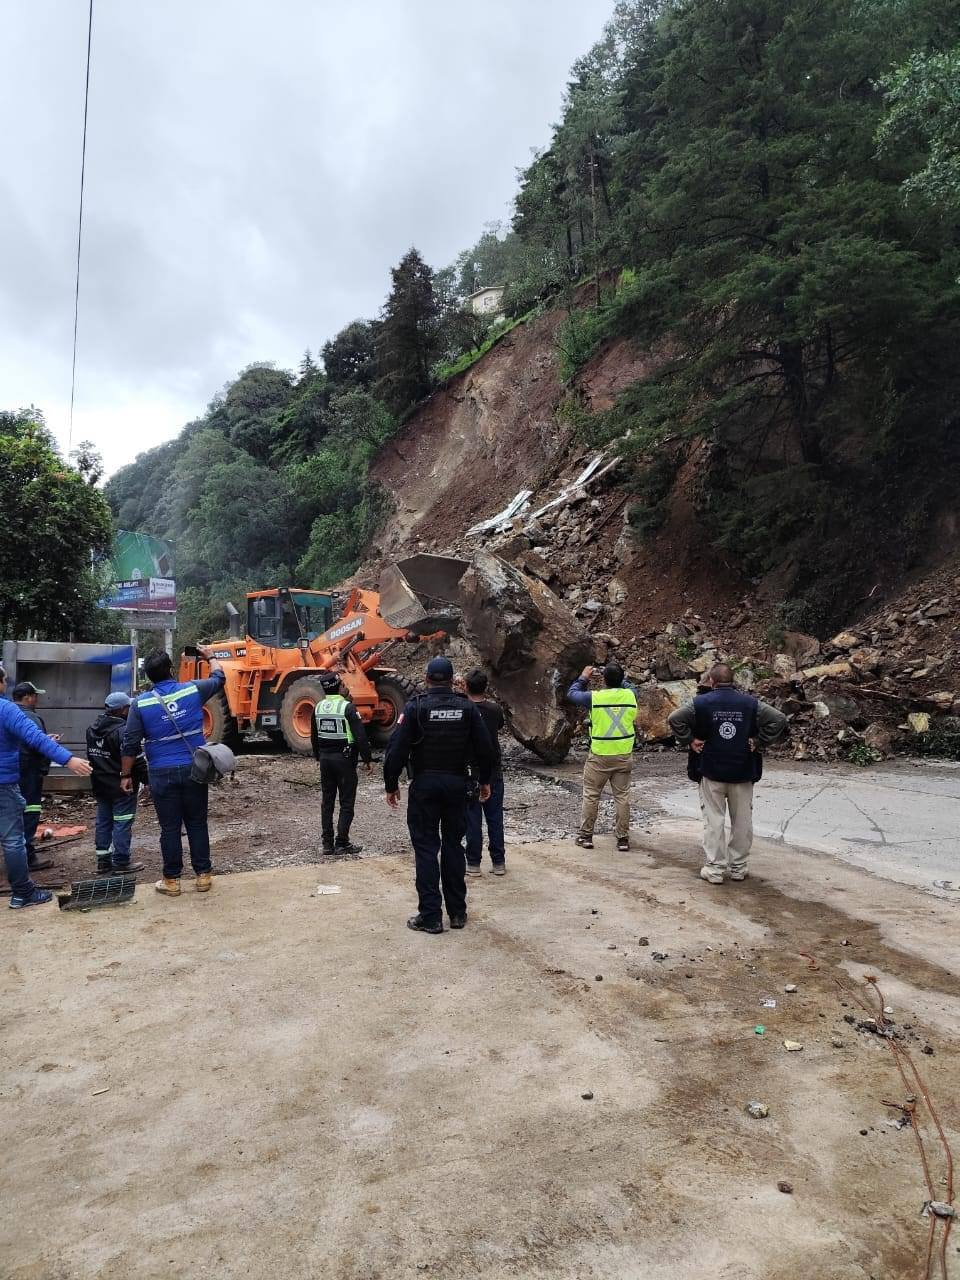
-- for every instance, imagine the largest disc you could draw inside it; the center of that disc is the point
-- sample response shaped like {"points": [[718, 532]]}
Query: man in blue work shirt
{"points": [[613, 712], [440, 733], [17, 731], [168, 722]]}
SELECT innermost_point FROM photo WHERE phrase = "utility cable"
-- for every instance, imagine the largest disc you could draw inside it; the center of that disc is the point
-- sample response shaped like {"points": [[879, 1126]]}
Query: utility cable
{"points": [[83, 166]]}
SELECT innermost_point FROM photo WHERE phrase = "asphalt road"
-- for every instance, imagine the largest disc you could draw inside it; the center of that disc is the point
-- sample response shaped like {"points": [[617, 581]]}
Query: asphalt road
{"points": [[899, 821]]}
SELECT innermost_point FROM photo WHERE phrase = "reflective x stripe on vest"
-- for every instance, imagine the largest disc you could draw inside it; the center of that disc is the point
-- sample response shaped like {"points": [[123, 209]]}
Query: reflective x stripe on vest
{"points": [[332, 723], [612, 716]]}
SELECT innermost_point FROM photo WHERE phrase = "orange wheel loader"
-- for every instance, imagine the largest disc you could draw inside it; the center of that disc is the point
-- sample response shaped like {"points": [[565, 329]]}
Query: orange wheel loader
{"points": [[273, 671]]}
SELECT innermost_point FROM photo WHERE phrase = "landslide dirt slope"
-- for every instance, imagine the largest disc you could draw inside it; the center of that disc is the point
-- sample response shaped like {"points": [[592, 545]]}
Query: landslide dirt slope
{"points": [[492, 431]]}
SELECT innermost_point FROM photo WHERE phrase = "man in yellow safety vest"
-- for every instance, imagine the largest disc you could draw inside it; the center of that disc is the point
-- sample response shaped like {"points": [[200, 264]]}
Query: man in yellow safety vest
{"points": [[613, 711]]}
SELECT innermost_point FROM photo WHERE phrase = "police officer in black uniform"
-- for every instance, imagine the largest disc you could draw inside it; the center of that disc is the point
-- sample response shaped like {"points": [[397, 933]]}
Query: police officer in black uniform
{"points": [[439, 733]]}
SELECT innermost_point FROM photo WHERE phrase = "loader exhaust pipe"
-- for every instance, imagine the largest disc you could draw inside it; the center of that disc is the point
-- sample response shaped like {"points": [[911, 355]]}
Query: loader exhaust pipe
{"points": [[233, 613]]}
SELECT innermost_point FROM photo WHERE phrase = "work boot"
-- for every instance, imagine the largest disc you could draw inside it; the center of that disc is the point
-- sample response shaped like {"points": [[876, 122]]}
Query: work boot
{"points": [[498, 869], [104, 862], [351, 850], [170, 887], [623, 844], [422, 925], [126, 868], [473, 869], [38, 864], [458, 922], [585, 842], [738, 875], [711, 875], [204, 881]]}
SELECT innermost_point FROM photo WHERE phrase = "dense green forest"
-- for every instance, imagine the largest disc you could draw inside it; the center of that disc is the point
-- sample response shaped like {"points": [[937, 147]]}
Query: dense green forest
{"points": [[57, 534], [766, 193]]}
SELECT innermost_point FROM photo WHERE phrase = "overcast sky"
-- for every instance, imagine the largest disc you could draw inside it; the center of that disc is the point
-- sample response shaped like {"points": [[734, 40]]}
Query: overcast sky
{"points": [[253, 172]]}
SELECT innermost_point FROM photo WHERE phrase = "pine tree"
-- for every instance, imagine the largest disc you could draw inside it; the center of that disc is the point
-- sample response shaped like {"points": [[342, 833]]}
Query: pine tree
{"points": [[406, 341]]}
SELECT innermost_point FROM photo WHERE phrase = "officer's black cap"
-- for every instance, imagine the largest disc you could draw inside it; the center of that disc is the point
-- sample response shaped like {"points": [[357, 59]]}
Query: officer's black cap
{"points": [[330, 681], [439, 669]]}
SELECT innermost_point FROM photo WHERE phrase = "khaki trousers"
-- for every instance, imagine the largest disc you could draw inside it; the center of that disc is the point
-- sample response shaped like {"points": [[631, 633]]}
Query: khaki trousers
{"points": [[597, 772], [715, 799]]}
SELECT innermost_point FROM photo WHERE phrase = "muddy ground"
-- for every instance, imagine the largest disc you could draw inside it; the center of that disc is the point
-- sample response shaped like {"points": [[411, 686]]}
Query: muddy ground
{"points": [[270, 815], [264, 1081]]}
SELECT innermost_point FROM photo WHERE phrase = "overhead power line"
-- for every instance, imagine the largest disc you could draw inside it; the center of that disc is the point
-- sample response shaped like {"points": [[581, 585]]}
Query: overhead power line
{"points": [[83, 166]]}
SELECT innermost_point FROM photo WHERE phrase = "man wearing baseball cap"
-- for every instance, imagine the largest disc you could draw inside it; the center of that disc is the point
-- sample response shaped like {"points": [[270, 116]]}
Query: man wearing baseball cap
{"points": [[16, 730], [440, 733], [116, 808], [34, 767]]}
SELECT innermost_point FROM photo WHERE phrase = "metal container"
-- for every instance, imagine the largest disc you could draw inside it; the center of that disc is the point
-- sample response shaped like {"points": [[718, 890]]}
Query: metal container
{"points": [[76, 679]]}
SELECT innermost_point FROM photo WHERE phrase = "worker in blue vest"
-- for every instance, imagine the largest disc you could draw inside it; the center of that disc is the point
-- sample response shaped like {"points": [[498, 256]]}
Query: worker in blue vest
{"points": [[167, 722], [441, 734], [17, 731], [727, 728], [338, 739], [613, 714]]}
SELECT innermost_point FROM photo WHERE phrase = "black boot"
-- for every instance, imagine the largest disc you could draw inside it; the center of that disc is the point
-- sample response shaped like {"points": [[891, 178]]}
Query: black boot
{"points": [[458, 922], [348, 848], [422, 925], [104, 863]]}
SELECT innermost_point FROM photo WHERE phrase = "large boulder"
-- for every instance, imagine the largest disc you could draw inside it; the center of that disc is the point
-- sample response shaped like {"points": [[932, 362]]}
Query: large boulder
{"points": [[656, 702], [532, 646]]}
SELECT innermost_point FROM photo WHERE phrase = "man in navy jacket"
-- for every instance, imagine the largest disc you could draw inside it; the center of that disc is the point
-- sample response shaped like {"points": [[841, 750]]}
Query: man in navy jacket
{"points": [[726, 727]]}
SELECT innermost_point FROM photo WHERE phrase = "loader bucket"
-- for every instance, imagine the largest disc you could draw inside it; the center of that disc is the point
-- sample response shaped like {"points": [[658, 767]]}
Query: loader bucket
{"points": [[104, 891], [422, 593]]}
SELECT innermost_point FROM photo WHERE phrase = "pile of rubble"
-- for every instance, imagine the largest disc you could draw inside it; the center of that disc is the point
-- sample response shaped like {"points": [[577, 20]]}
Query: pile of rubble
{"points": [[890, 683]]}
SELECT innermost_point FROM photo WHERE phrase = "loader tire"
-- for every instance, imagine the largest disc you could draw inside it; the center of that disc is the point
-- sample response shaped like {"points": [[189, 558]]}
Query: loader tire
{"points": [[218, 724], [394, 691], [296, 713]]}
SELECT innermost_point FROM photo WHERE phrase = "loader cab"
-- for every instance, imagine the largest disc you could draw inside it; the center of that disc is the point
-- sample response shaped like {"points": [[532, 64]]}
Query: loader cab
{"points": [[283, 617]]}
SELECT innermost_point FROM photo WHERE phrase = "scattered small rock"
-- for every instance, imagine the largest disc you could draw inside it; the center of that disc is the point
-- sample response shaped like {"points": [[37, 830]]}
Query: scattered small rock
{"points": [[837, 1042], [790, 988], [758, 1110], [785, 1187], [659, 955], [643, 942], [928, 1049], [792, 1046], [598, 978], [864, 1132], [587, 1096], [939, 1208], [611, 946]]}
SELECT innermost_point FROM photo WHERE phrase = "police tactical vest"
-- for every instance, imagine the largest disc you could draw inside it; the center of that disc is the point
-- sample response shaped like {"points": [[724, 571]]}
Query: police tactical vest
{"points": [[613, 713], [441, 733], [726, 720], [333, 727], [180, 704]]}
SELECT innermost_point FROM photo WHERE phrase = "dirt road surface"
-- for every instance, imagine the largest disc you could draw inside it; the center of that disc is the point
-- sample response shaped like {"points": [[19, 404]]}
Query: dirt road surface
{"points": [[266, 1081]]}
